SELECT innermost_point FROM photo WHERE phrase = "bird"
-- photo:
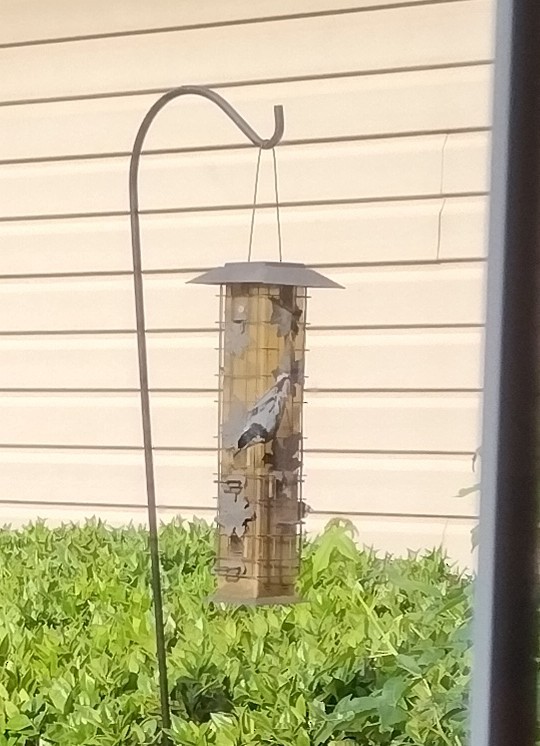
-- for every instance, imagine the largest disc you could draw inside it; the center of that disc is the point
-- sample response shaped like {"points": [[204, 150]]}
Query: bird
{"points": [[264, 418]]}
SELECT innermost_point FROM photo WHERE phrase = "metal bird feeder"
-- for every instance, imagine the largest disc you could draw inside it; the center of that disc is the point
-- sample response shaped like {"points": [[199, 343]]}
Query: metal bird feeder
{"points": [[261, 393]]}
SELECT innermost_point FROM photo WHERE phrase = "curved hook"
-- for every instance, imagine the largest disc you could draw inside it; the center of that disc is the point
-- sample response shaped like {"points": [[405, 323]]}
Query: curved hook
{"points": [[250, 133], [224, 105]]}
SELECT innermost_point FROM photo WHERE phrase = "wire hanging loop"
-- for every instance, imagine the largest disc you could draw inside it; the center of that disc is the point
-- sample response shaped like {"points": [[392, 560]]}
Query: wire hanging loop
{"points": [[276, 194], [254, 208]]}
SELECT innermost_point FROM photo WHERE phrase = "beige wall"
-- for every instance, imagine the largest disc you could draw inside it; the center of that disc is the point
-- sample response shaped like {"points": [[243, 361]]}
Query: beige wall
{"points": [[383, 179]]}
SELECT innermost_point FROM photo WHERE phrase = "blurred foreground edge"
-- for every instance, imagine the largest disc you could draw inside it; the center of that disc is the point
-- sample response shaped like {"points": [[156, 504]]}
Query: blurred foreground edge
{"points": [[505, 626]]}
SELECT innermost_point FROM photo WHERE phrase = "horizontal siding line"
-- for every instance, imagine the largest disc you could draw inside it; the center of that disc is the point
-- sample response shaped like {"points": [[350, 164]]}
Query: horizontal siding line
{"points": [[373, 514], [196, 508], [374, 390], [70, 447], [230, 147], [80, 275], [322, 451], [75, 504], [453, 261], [197, 449], [334, 328], [253, 82], [229, 208], [335, 265], [204, 330], [381, 452], [392, 327], [126, 506], [223, 24], [103, 390], [192, 390], [76, 332]]}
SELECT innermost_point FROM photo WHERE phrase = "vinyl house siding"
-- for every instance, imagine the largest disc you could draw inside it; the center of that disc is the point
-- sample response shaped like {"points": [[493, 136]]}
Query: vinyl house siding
{"points": [[383, 180]]}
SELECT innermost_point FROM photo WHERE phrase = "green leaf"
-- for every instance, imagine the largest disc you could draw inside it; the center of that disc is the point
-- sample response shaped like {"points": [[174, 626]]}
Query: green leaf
{"points": [[11, 709], [59, 694], [357, 705], [4, 648], [300, 707], [394, 689], [19, 722], [390, 714], [321, 559], [409, 664]]}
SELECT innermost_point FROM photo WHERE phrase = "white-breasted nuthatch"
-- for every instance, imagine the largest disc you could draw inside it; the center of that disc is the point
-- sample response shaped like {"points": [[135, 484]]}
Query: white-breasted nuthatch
{"points": [[264, 418]]}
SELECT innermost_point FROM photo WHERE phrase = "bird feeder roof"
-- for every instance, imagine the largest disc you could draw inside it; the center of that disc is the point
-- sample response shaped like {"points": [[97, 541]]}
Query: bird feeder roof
{"points": [[265, 273]]}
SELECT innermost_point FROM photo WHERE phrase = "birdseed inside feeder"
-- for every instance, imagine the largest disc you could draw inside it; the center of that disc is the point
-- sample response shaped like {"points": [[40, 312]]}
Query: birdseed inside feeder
{"points": [[261, 392]]}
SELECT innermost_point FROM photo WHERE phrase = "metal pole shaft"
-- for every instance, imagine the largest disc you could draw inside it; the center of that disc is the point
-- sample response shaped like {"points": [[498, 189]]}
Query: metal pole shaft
{"points": [[147, 440], [505, 634], [143, 354]]}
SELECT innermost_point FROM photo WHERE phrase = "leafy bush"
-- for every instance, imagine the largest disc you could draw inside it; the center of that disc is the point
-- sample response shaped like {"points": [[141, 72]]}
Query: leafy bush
{"points": [[377, 655]]}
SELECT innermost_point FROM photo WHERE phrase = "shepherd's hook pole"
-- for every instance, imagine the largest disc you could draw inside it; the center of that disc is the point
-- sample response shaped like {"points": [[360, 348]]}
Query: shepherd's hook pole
{"points": [[142, 350]]}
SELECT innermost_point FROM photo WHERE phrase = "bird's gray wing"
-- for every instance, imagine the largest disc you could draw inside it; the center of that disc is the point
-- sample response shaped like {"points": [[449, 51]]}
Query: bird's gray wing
{"points": [[272, 394]]}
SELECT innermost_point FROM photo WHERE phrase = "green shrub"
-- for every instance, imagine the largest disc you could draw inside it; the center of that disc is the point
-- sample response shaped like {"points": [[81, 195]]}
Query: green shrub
{"points": [[378, 654]]}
